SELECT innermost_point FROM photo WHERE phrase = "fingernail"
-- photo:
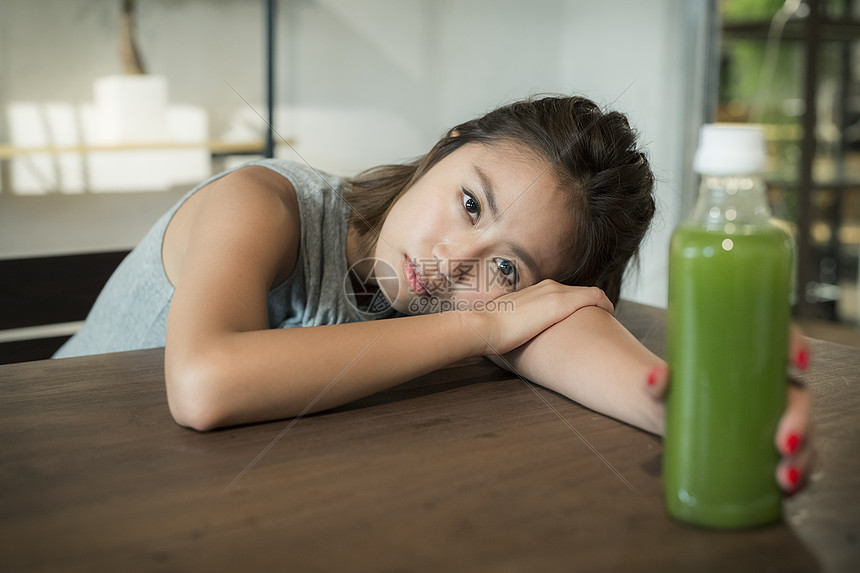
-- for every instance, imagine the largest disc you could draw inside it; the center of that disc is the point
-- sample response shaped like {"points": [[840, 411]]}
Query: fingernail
{"points": [[652, 376], [791, 443], [793, 476], [802, 359]]}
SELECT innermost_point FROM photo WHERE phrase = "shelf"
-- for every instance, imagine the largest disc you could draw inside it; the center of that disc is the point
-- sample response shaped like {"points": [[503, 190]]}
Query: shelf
{"points": [[814, 180], [838, 187], [831, 30], [215, 146]]}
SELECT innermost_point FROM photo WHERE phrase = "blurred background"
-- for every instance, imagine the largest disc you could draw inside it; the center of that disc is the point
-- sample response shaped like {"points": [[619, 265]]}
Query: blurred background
{"points": [[110, 110]]}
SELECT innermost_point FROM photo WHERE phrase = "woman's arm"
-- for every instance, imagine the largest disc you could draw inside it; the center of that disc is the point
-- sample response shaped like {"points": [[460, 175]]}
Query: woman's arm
{"points": [[223, 366], [592, 359], [270, 374]]}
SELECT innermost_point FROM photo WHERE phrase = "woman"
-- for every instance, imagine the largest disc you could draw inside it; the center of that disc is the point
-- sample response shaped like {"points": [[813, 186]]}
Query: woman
{"points": [[515, 224]]}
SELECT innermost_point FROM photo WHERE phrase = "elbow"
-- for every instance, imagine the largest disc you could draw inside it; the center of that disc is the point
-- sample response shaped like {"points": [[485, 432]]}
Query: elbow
{"points": [[193, 395], [198, 419]]}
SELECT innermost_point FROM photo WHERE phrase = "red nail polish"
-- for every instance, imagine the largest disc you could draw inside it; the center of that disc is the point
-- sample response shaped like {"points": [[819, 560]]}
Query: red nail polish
{"points": [[793, 476], [791, 443], [652, 376], [802, 359]]}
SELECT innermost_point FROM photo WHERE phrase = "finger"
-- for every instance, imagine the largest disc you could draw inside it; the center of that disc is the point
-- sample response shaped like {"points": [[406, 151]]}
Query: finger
{"points": [[605, 303], [798, 348], [593, 296], [792, 473], [580, 296], [658, 380], [608, 306], [793, 428]]}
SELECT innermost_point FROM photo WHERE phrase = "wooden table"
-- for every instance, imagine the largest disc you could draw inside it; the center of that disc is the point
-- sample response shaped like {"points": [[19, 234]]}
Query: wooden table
{"points": [[466, 469]]}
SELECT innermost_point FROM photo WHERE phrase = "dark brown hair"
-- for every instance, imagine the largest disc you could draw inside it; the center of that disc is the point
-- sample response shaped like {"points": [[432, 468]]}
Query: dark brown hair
{"points": [[594, 157]]}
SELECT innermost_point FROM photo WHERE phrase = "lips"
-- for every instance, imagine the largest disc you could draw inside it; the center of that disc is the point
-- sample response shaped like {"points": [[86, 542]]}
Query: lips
{"points": [[414, 277]]}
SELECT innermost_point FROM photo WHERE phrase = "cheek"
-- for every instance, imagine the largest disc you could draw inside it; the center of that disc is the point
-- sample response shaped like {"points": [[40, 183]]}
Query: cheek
{"points": [[431, 208], [417, 218]]}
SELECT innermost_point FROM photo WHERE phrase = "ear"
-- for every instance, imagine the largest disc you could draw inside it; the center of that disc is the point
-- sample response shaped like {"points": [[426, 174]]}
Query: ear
{"points": [[454, 133]]}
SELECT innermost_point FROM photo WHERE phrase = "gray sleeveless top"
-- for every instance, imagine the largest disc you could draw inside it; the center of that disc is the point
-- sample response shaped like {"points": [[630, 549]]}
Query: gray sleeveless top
{"points": [[131, 311]]}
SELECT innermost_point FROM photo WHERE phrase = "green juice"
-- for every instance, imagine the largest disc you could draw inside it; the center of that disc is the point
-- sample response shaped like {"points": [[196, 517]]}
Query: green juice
{"points": [[728, 323]]}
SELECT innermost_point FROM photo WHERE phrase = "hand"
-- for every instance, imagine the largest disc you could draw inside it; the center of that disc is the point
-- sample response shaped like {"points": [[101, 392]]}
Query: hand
{"points": [[515, 318], [792, 433]]}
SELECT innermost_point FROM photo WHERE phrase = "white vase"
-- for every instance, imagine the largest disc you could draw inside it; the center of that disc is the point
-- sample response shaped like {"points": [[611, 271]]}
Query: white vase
{"points": [[131, 109]]}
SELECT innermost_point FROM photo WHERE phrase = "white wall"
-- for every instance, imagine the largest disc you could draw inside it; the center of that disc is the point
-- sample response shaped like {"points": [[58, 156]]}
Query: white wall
{"points": [[361, 82]]}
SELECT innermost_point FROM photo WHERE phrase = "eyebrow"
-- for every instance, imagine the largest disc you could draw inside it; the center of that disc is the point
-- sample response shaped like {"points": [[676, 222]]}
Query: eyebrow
{"points": [[526, 258], [490, 194]]}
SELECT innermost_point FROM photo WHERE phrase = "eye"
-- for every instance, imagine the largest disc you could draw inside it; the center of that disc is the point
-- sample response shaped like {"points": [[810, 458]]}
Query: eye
{"points": [[471, 205], [508, 270]]}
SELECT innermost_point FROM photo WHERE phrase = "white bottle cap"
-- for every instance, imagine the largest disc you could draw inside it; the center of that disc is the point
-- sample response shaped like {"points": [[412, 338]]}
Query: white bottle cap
{"points": [[730, 149]]}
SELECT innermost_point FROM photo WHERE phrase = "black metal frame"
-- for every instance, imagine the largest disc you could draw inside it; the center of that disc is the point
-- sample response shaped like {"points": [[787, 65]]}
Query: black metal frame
{"points": [[270, 9], [271, 18], [811, 31]]}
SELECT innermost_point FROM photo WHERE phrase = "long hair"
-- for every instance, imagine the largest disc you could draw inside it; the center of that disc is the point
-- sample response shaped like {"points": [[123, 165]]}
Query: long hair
{"points": [[593, 155]]}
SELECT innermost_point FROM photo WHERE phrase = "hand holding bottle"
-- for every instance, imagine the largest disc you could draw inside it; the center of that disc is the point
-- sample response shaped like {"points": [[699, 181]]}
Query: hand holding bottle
{"points": [[793, 432], [729, 310]]}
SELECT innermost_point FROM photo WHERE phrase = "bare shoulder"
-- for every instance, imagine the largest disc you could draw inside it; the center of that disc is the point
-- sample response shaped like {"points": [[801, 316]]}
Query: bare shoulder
{"points": [[252, 204]]}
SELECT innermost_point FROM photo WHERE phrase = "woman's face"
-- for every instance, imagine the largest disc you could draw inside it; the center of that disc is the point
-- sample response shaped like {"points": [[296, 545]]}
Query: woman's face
{"points": [[484, 221]]}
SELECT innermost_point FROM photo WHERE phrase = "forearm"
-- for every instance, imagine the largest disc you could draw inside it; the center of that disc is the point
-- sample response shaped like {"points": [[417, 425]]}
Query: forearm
{"points": [[592, 359], [271, 374]]}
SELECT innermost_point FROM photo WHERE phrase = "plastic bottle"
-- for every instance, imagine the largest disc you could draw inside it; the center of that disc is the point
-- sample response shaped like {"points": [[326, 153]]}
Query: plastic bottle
{"points": [[730, 270]]}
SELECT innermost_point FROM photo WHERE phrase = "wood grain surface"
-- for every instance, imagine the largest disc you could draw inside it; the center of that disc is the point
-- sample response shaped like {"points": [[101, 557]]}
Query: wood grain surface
{"points": [[466, 469]]}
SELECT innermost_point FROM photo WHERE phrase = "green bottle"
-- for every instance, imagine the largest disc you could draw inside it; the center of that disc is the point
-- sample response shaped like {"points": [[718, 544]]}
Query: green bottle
{"points": [[730, 281]]}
